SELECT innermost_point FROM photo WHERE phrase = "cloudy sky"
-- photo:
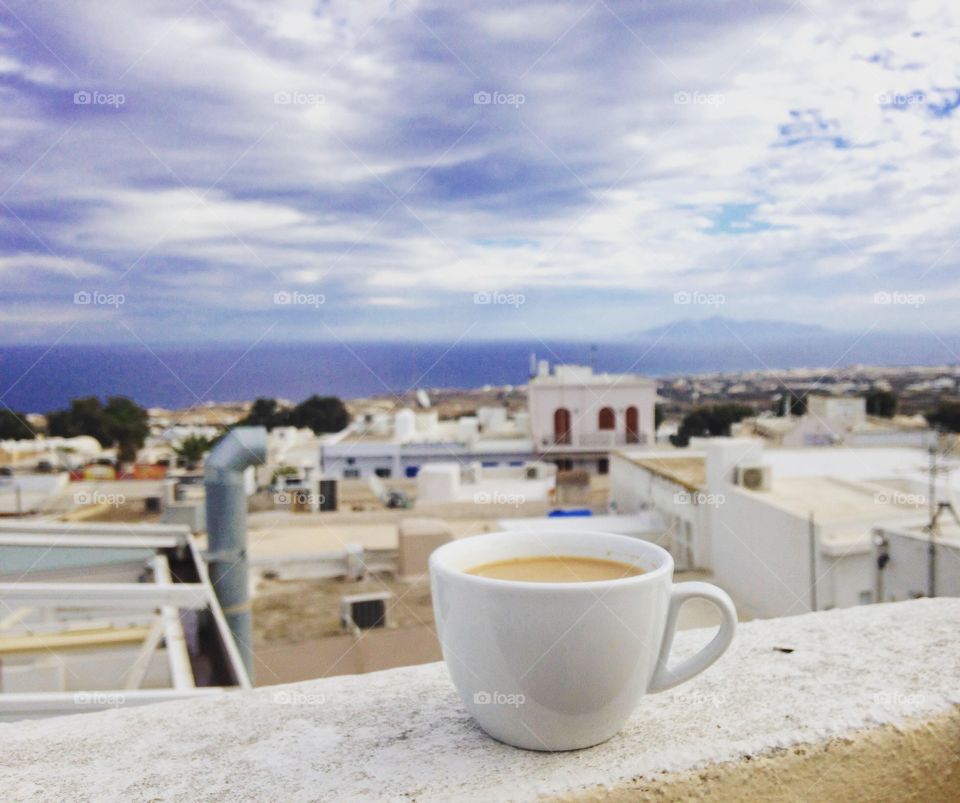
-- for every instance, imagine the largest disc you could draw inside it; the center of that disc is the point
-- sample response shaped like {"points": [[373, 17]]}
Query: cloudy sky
{"points": [[224, 171]]}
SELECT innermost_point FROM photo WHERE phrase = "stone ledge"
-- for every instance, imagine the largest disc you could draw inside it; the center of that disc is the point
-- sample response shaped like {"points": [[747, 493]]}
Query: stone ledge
{"points": [[917, 762], [850, 676]]}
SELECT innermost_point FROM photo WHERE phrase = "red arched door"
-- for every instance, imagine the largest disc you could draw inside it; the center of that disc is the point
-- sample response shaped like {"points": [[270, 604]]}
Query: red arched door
{"points": [[561, 425], [607, 419], [633, 425]]}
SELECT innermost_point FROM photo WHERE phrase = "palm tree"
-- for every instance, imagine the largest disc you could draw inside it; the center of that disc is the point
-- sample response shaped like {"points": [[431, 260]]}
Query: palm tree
{"points": [[192, 449]]}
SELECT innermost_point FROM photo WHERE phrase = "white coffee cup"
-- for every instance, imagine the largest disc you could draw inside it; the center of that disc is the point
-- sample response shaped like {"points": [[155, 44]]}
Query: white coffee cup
{"points": [[560, 666]]}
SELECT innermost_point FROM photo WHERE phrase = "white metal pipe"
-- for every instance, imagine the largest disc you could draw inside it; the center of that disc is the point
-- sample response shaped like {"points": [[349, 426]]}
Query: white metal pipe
{"points": [[125, 596], [138, 669], [178, 531], [181, 671], [91, 541]]}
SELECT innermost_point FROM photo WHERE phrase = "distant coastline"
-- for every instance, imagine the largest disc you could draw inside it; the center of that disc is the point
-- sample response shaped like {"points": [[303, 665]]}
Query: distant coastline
{"points": [[42, 378]]}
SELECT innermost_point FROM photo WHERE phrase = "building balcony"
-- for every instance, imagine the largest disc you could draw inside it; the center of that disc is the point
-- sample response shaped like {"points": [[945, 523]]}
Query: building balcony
{"points": [[604, 439], [601, 441], [853, 704]]}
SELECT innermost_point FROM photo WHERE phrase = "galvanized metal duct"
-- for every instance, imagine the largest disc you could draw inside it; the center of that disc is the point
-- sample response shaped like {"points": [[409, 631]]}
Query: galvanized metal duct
{"points": [[227, 528]]}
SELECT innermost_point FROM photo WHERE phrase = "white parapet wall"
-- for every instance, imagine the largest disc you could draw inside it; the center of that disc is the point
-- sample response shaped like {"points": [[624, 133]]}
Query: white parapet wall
{"points": [[855, 704]]}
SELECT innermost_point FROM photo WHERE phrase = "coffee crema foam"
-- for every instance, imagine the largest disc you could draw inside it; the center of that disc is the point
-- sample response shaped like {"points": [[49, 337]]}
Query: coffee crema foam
{"points": [[556, 569]]}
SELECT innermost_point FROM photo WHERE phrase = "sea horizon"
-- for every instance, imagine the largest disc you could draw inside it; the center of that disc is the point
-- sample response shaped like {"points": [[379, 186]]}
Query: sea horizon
{"points": [[41, 378]]}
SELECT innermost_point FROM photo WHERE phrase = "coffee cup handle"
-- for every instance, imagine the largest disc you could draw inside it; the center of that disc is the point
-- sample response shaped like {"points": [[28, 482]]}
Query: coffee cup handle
{"points": [[665, 678]]}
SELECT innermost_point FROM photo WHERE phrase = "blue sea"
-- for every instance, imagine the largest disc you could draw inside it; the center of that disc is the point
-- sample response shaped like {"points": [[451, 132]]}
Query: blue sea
{"points": [[43, 378]]}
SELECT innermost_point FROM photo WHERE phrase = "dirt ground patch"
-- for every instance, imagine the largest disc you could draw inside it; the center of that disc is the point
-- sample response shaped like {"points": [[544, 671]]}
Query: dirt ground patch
{"points": [[289, 611]]}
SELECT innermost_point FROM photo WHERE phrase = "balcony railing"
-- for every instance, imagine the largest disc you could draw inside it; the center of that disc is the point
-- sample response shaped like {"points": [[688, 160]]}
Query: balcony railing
{"points": [[855, 703], [602, 440]]}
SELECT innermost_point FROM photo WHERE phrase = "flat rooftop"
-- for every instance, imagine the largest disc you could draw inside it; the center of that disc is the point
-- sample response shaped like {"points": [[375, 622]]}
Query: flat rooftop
{"points": [[594, 379], [949, 534], [844, 510], [854, 463], [449, 440], [685, 467]]}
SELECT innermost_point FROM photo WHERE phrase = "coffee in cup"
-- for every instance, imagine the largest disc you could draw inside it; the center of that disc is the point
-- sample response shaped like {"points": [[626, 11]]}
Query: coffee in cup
{"points": [[546, 654]]}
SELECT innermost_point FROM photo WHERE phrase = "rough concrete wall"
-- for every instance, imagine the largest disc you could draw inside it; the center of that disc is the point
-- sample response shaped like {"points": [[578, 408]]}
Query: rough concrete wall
{"points": [[917, 762], [821, 707]]}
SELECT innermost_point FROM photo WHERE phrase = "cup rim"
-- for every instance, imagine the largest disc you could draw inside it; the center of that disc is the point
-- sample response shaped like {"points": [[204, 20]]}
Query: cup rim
{"points": [[666, 566]]}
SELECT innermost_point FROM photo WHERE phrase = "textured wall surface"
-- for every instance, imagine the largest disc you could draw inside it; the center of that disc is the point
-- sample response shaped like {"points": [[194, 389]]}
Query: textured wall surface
{"points": [[843, 704]]}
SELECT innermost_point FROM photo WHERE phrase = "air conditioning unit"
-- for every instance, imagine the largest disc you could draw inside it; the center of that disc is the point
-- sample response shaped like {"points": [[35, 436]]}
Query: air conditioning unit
{"points": [[756, 478], [364, 611]]}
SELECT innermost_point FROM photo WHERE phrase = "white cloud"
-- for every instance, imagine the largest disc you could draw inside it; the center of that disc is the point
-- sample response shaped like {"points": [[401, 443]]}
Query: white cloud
{"points": [[603, 179]]}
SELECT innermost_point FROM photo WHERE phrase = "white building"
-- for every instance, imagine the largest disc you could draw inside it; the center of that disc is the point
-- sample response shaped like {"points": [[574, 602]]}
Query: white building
{"points": [[60, 453], [669, 482], [907, 564], [577, 416], [504, 485], [162, 444], [23, 493], [400, 447], [790, 530], [293, 451], [840, 413], [832, 420]]}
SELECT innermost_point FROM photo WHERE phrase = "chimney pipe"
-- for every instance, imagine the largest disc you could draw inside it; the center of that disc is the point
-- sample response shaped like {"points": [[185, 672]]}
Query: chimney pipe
{"points": [[227, 528]]}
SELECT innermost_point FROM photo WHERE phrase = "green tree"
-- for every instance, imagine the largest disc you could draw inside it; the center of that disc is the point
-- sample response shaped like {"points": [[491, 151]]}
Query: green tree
{"points": [[84, 417], [945, 416], [121, 423], [320, 413], [192, 449], [709, 420], [264, 413], [14, 426], [657, 416], [882, 403], [127, 426]]}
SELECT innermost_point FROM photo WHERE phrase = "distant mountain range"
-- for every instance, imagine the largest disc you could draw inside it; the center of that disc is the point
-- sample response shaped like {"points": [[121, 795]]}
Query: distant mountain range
{"points": [[716, 326]]}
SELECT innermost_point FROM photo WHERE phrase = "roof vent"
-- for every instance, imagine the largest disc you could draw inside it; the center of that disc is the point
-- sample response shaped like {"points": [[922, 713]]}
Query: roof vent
{"points": [[364, 611], [756, 478]]}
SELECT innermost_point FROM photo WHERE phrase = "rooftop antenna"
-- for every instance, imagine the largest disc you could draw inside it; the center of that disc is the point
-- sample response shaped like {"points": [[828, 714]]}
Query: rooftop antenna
{"points": [[933, 527], [812, 543]]}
